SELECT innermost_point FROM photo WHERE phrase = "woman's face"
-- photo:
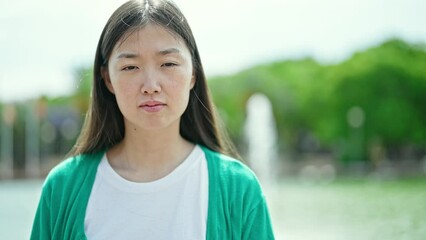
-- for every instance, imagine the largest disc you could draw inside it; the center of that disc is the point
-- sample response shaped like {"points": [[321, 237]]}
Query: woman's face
{"points": [[150, 73]]}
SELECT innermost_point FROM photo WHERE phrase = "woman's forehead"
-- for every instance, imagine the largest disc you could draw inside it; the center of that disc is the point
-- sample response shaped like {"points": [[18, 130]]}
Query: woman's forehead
{"points": [[150, 36]]}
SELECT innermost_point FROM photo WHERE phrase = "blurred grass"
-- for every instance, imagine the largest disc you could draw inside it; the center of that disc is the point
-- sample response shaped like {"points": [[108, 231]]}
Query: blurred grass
{"points": [[342, 210]]}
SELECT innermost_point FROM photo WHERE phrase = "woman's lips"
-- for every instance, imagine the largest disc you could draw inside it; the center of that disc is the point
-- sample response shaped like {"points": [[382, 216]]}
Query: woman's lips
{"points": [[152, 106]]}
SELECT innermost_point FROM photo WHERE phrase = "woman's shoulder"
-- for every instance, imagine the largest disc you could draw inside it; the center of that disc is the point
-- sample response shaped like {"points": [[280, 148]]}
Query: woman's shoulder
{"points": [[232, 181], [229, 169], [73, 168]]}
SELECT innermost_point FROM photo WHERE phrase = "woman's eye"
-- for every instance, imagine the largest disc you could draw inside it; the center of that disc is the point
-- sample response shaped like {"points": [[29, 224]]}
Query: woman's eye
{"points": [[129, 68], [169, 64]]}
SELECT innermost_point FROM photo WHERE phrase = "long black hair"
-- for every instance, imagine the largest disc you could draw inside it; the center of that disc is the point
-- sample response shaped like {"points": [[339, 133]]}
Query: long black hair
{"points": [[104, 125]]}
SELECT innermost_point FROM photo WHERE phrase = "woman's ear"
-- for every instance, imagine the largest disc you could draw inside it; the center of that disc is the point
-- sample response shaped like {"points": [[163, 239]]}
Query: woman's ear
{"points": [[106, 79], [192, 80]]}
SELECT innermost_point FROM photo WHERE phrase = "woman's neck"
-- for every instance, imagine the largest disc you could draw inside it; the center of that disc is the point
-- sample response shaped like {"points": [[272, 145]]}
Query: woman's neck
{"points": [[145, 156]]}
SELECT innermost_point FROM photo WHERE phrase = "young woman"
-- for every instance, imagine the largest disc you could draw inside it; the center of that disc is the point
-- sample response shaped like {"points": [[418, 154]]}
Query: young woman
{"points": [[151, 161]]}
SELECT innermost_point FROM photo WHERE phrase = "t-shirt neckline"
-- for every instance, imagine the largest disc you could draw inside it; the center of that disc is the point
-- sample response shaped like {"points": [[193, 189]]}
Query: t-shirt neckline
{"points": [[106, 171]]}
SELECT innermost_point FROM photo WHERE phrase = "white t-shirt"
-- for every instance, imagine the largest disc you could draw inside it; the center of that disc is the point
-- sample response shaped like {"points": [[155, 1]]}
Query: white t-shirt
{"points": [[173, 207]]}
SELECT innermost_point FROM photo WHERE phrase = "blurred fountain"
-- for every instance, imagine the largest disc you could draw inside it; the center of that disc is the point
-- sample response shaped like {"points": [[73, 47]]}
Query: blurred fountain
{"points": [[261, 136]]}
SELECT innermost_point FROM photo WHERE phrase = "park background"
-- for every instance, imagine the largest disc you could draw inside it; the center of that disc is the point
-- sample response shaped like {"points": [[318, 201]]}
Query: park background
{"points": [[345, 83]]}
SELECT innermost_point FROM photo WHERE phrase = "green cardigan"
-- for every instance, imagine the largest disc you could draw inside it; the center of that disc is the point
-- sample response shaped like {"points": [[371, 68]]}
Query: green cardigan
{"points": [[236, 209]]}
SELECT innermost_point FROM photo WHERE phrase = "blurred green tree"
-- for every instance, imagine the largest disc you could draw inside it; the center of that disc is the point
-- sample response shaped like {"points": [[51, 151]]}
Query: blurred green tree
{"points": [[374, 98]]}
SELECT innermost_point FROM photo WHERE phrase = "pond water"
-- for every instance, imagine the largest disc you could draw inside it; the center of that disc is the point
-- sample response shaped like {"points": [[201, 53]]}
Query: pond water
{"points": [[343, 210], [18, 202]]}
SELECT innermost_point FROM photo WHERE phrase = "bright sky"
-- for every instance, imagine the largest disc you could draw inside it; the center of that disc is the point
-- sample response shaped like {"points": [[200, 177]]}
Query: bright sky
{"points": [[41, 42]]}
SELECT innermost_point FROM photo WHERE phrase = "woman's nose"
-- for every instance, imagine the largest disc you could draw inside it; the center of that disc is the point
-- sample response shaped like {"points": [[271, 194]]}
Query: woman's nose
{"points": [[150, 83]]}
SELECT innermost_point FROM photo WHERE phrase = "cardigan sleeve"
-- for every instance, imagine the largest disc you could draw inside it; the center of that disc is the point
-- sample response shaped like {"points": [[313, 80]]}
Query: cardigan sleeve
{"points": [[41, 229], [258, 223], [245, 190], [237, 206], [66, 190]]}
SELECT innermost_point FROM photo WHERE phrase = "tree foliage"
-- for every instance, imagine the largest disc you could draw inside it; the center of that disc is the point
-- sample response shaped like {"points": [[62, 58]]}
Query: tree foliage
{"points": [[375, 97]]}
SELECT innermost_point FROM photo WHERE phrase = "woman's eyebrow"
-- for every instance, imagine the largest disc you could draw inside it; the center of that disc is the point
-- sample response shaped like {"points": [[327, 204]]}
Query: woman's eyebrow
{"points": [[127, 55], [168, 51]]}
